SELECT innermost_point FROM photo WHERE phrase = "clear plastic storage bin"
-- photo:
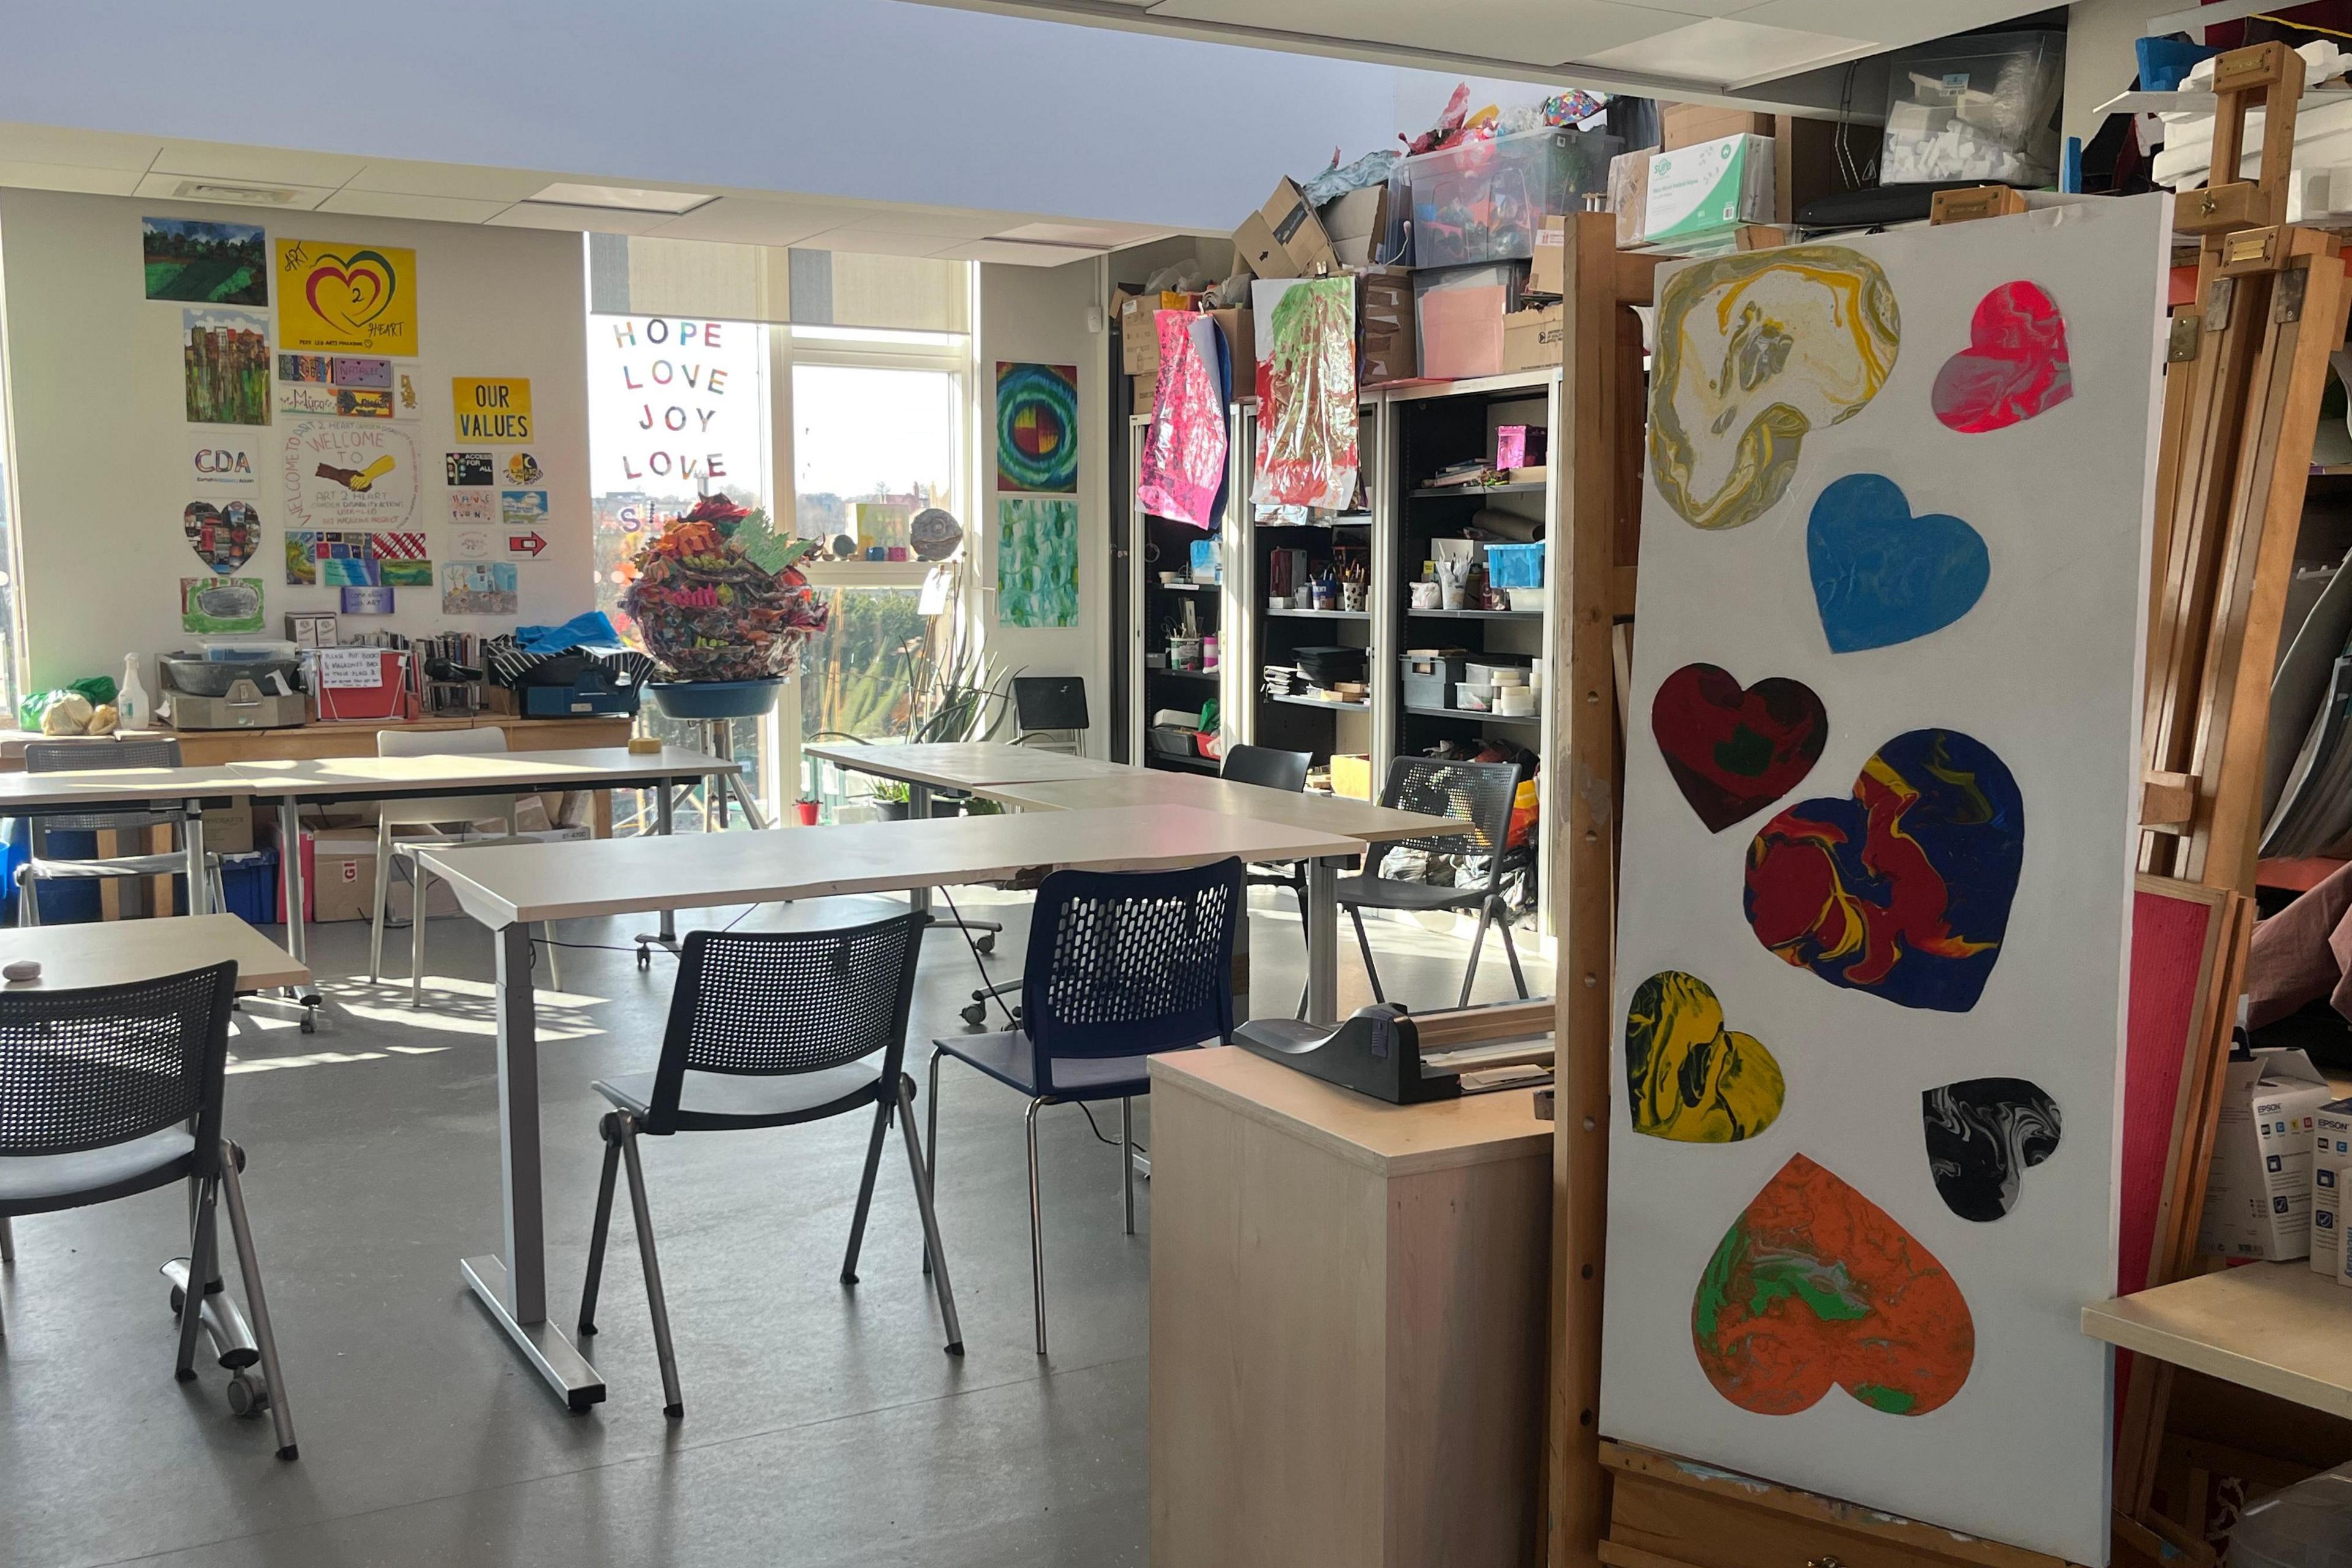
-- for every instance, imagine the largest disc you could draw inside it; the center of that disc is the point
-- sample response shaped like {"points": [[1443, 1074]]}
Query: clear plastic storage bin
{"points": [[1484, 200], [1975, 107], [2308, 1525]]}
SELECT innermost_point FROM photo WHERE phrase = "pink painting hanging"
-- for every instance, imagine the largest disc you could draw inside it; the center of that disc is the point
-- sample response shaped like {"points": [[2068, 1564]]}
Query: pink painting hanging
{"points": [[1306, 392], [1183, 463]]}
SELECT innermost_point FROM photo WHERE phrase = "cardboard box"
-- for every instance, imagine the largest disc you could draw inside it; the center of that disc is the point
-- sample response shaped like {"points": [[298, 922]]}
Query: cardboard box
{"points": [[1458, 315], [343, 869], [1629, 195], [1387, 337], [1239, 326], [1702, 191], [228, 829], [1139, 337], [1358, 225], [2331, 1164], [1284, 238], [2258, 1198], [1688, 124], [1533, 339], [1548, 273], [1146, 391]]}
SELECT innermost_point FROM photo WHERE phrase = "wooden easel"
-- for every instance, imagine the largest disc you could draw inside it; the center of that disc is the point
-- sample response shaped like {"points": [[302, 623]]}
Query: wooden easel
{"points": [[2236, 444]]}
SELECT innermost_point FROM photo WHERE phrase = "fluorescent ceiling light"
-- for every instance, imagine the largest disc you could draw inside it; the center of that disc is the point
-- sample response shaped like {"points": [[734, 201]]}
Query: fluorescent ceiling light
{"points": [[622, 198], [202, 190], [1074, 236]]}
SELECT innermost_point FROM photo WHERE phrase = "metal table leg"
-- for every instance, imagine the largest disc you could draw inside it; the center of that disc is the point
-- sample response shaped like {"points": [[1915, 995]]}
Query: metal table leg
{"points": [[918, 809], [303, 998], [514, 1287], [200, 883], [666, 933], [1323, 940]]}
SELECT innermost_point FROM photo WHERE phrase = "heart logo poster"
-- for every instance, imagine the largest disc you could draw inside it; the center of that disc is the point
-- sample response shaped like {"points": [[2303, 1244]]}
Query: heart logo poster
{"points": [[346, 298]]}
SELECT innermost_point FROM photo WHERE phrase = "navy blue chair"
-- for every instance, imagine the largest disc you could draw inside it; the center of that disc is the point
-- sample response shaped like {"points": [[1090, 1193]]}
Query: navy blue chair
{"points": [[1121, 966]]}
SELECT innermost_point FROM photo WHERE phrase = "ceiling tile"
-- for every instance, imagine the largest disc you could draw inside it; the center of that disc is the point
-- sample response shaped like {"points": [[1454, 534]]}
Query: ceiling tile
{"points": [[271, 165], [747, 220], [418, 178], [92, 148], [399, 204], [1885, 24], [30, 177], [877, 242], [598, 220], [1528, 32], [170, 187], [1013, 253], [944, 223]]}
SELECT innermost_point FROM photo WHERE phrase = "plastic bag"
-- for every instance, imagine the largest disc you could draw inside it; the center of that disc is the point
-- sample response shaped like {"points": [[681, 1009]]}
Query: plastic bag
{"points": [[1305, 392], [92, 691], [1182, 470]]}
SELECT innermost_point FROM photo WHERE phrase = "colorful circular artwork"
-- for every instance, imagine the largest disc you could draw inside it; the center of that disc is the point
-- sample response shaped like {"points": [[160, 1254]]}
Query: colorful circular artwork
{"points": [[1036, 427]]}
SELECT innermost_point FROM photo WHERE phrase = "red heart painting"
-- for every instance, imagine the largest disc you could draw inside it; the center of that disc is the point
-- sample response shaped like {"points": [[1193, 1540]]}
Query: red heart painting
{"points": [[2014, 367], [1815, 1286], [1734, 751]]}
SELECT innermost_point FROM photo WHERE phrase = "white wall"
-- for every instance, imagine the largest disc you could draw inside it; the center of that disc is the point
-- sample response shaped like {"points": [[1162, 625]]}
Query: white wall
{"points": [[2100, 59], [866, 99], [1040, 314], [103, 447]]}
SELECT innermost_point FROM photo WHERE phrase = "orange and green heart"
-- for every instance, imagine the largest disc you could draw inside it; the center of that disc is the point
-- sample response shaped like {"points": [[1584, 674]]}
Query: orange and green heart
{"points": [[1815, 1287], [1689, 1079], [350, 291]]}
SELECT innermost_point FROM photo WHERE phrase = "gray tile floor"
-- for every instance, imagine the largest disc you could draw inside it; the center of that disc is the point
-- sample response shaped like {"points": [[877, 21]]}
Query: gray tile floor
{"points": [[823, 1424]]}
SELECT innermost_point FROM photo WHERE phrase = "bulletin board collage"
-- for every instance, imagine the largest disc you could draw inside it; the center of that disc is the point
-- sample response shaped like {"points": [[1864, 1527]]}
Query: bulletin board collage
{"points": [[308, 429]]}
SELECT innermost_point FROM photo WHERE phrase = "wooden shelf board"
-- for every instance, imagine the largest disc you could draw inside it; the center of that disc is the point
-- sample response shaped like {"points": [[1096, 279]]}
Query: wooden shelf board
{"points": [[1315, 702], [2280, 1327], [1474, 713], [1475, 614]]}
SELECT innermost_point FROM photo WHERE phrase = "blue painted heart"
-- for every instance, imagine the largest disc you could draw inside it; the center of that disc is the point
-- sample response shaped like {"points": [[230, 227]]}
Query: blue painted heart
{"points": [[1881, 576]]}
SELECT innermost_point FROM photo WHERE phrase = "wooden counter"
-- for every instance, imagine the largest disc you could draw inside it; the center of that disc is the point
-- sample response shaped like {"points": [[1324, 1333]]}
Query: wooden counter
{"points": [[1349, 1315]]}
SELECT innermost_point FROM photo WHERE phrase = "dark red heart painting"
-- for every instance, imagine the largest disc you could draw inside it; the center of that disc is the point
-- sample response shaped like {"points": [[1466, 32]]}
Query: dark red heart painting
{"points": [[1813, 1287], [1735, 749], [2014, 367]]}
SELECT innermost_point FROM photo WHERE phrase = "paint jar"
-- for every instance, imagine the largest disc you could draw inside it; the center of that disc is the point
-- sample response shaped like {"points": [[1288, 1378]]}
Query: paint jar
{"points": [[1209, 652], [1453, 583]]}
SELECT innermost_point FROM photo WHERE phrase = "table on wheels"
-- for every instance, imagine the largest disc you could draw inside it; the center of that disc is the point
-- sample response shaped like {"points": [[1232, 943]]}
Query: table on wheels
{"points": [[509, 888]]}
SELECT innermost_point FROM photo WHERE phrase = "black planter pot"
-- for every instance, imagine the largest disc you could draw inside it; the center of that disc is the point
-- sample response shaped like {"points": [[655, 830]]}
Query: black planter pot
{"points": [[890, 810]]}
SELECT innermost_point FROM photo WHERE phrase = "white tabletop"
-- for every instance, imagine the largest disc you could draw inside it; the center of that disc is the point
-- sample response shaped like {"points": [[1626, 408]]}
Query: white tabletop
{"points": [[500, 884], [99, 786], [1153, 787], [592, 767], [961, 764], [112, 952]]}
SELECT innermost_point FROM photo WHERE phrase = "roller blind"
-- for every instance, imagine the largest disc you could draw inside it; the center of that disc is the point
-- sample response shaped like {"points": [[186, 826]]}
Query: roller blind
{"points": [[636, 275]]}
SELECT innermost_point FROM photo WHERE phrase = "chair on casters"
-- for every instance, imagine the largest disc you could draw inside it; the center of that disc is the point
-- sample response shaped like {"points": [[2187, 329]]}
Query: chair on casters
{"points": [[433, 813], [772, 1029], [116, 1090], [1121, 965], [1477, 792], [69, 755]]}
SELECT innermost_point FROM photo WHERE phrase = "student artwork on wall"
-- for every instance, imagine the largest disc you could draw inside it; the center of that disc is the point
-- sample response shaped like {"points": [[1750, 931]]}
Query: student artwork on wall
{"points": [[335, 298], [1305, 392], [224, 366], [224, 537], [492, 407], [206, 263], [523, 509], [224, 464], [210, 606], [357, 474], [470, 468], [1873, 922], [1037, 427], [473, 509], [479, 588], [1036, 563]]}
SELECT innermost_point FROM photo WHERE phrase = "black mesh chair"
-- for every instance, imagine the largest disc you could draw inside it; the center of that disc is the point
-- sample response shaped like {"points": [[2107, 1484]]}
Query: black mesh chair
{"points": [[113, 1091], [771, 1029], [1270, 768], [1477, 792], [1121, 965], [72, 755]]}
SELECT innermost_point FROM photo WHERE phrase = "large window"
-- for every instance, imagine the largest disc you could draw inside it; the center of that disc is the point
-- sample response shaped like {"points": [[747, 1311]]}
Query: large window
{"points": [[849, 430]]}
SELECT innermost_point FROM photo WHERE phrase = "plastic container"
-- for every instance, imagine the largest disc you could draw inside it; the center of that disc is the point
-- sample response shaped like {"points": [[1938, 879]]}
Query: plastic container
{"points": [[1429, 680], [2308, 1525], [1530, 600], [715, 699], [1474, 695], [1515, 565], [1479, 674], [249, 882], [1974, 107], [1168, 741], [1484, 200]]}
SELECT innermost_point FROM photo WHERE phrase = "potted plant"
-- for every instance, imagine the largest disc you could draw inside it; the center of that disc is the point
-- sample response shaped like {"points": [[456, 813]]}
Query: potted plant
{"points": [[891, 798], [805, 809]]}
